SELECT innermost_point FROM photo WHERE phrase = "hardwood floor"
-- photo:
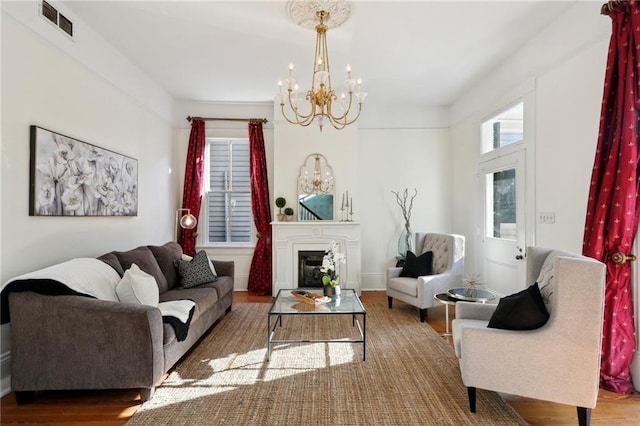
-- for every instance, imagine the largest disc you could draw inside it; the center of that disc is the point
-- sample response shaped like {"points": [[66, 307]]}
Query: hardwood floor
{"points": [[115, 407]]}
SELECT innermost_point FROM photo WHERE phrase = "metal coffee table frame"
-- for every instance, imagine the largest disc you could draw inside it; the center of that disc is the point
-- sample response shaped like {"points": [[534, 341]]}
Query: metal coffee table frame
{"points": [[347, 303]]}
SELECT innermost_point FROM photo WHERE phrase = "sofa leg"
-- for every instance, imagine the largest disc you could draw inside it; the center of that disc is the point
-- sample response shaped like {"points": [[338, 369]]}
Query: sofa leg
{"points": [[584, 416], [146, 393], [228, 309], [390, 301], [25, 397], [471, 392], [423, 314]]}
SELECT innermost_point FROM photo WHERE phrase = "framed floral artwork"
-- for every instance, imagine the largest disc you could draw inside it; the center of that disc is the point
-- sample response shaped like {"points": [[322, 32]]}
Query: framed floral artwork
{"points": [[69, 177]]}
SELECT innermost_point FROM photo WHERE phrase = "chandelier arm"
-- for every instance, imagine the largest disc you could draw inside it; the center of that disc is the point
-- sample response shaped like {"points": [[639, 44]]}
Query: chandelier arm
{"points": [[339, 125], [301, 119], [344, 115], [297, 121]]}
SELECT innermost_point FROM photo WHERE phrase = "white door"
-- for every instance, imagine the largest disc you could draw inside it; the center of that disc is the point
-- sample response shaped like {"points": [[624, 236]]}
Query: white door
{"points": [[502, 222]]}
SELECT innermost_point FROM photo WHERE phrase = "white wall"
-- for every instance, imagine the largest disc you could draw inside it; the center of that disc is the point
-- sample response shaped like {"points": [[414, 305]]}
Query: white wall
{"points": [[395, 159], [567, 74], [568, 101], [44, 84]]}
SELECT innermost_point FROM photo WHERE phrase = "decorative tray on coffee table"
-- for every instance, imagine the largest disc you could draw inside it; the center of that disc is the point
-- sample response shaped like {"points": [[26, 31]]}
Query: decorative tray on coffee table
{"points": [[310, 297]]}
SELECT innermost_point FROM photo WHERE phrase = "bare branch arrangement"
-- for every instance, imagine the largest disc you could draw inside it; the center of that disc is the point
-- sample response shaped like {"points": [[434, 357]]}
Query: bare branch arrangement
{"points": [[406, 204]]}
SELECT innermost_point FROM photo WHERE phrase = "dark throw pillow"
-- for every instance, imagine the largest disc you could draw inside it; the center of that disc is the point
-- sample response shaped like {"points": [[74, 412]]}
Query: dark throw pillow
{"points": [[417, 266], [524, 310], [196, 271]]}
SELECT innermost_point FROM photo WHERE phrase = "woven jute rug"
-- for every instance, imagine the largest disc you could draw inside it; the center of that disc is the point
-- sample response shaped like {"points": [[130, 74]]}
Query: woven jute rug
{"points": [[410, 376]]}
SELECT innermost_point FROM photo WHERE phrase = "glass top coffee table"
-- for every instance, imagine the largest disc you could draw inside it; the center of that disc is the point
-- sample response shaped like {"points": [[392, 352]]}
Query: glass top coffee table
{"points": [[347, 303]]}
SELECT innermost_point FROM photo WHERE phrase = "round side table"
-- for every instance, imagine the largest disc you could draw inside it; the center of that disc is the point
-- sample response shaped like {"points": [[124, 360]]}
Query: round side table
{"points": [[446, 300]]}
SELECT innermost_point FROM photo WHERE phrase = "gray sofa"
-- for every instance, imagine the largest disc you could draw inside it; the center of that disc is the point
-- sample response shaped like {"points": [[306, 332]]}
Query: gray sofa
{"points": [[63, 341]]}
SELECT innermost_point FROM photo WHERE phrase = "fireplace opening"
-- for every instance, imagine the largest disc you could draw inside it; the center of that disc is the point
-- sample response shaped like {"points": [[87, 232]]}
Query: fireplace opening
{"points": [[309, 264]]}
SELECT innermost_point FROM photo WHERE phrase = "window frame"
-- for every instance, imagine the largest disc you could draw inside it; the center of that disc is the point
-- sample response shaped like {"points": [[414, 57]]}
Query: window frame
{"points": [[486, 131], [204, 211]]}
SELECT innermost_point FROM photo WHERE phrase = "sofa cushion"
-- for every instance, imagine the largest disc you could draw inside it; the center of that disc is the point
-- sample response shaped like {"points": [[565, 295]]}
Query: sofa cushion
{"points": [[204, 296], [524, 310], [196, 271], [136, 286], [417, 266], [165, 256], [112, 260], [143, 257], [408, 286]]}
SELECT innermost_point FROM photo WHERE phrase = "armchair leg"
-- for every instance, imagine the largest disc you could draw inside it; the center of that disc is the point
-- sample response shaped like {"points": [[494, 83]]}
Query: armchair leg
{"points": [[471, 392], [584, 416], [390, 301], [423, 314]]}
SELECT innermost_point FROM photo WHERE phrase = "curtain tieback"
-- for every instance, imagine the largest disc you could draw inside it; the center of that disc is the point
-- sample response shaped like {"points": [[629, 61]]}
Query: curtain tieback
{"points": [[258, 235], [620, 258]]}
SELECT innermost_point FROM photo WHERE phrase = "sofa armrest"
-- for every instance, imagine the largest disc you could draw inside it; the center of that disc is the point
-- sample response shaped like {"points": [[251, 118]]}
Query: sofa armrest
{"points": [[224, 268], [76, 342], [473, 310]]}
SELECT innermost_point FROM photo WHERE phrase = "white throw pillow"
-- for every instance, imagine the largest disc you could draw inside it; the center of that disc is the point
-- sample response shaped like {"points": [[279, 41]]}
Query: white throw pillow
{"points": [[213, 269], [136, 286]]}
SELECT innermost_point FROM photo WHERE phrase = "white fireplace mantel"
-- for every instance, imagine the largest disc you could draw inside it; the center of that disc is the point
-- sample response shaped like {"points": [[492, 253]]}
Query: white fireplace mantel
{"points": [[288, 238]]}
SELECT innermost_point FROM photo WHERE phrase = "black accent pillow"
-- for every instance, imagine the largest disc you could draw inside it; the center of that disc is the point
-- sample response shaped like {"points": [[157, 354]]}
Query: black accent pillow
{"points": [[196, 271], [417, 266], [524, 310]]}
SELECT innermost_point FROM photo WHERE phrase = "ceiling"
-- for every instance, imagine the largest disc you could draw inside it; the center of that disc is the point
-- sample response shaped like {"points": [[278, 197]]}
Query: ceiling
{"points": [[410, 52]]}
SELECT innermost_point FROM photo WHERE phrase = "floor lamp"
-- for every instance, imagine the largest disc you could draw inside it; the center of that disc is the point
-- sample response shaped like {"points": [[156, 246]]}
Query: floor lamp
{"points": [[185, 221]]}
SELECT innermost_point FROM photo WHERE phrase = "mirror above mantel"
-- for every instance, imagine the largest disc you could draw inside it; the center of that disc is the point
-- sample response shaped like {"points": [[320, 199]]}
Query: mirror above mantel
{"points": [[315, 189]]}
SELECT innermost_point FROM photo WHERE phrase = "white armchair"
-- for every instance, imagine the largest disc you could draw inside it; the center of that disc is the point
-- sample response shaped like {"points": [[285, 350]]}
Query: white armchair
{"points": [[558, 362], [448, 266]]}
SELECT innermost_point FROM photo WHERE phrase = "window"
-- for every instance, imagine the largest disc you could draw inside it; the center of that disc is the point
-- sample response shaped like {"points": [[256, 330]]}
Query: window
{"points": [[228, 191], [501, 204], [503, 129]]}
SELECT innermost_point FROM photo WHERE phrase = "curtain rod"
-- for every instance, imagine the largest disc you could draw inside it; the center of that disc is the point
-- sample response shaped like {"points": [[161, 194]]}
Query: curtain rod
{"points": [[608, 7], [261, 120]]}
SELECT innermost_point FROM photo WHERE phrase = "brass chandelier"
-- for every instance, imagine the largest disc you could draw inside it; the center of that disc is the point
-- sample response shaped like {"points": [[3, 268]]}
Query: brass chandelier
{"points": [[322, 99]]}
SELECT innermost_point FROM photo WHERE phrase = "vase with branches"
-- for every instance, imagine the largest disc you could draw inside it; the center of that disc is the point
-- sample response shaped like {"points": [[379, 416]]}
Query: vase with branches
{"points": [[405, 242]]}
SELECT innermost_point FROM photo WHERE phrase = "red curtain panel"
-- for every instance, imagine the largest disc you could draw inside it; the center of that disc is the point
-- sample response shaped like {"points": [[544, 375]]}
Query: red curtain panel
{"points": [[193, 182], [613, 207], [260, 272]]}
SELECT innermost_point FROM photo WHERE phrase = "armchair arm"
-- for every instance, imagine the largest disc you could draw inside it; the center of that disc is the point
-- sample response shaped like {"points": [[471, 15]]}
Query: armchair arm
{"points": [[473, 310], [393, 272], [75, 342], [438, 283], [541, 364]]}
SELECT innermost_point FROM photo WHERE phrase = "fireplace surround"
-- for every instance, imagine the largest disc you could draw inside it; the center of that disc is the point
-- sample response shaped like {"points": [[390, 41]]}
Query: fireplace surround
{"points": [[289, 239]]}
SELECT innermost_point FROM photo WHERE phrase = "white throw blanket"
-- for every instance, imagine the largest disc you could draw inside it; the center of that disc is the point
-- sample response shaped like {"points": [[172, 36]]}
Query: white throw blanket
{"points": [[88, 276], [93, 277]]}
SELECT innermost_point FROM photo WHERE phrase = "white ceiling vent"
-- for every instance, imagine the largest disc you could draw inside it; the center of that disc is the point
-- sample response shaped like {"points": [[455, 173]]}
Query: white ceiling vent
{"points": [[52, 15]]}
